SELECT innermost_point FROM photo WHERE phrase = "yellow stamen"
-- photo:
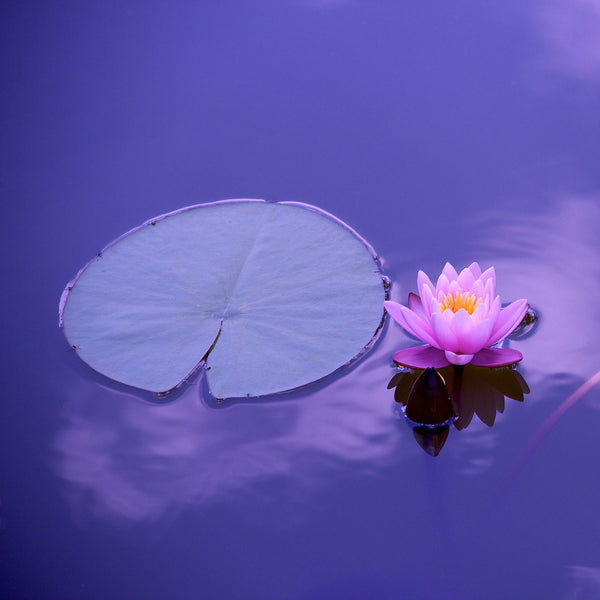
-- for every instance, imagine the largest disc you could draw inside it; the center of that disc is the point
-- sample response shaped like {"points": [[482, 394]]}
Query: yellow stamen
{"points": [[466, 300]]}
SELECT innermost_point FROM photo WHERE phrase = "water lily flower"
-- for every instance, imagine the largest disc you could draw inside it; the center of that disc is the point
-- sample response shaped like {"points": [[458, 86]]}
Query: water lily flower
{"points": [[459, 318]]}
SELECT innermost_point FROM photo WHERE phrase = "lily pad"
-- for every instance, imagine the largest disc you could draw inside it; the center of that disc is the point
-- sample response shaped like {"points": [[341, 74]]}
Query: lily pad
{"points": [[270, 296]]}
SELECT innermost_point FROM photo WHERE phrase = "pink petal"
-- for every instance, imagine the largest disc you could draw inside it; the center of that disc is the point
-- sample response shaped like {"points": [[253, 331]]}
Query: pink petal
{"points": [[448, 316], [421, 327], [441, 287], [426, 299], [475, 269], [481, 312], [410, 321], [458, 359], [478, 288], [422, 282], [395, 311], [445, 337], [508, 318], [496, 357], [434, 307], [460, 322], [489, 290], [495, 309], [449, 271], [489, 275], [453, 288], [415, 304], [471, 337], [421, 357], [466, 280], [476, 339]]}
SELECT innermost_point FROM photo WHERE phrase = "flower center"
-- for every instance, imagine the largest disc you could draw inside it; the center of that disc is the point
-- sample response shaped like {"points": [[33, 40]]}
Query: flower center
{"points": [[466, 300]]}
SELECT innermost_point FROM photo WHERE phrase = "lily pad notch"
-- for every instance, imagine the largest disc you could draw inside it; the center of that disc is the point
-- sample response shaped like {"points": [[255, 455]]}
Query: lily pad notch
{"points": [[268, 296]]}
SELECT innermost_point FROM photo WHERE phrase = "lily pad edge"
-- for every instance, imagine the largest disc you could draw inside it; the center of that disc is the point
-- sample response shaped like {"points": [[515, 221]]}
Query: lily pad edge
{"points": [[201, 364]]}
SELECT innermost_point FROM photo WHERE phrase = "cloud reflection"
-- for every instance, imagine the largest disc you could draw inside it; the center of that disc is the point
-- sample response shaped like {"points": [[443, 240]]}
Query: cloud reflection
{"points": [[585, 583], [125, 459], [570, 31], [552, 259]]}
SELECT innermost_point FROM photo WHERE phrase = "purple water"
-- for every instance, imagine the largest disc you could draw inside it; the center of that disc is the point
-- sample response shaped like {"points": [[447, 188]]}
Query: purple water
{"points": [[461, 131]]}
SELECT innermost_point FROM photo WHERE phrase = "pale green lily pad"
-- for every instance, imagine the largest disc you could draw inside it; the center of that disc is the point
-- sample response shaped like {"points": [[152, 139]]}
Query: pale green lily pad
{"points": [[273, 295]]}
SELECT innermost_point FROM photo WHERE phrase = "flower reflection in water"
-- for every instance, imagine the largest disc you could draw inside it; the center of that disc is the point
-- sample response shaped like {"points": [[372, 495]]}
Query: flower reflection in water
{"points": [[432, 400]]}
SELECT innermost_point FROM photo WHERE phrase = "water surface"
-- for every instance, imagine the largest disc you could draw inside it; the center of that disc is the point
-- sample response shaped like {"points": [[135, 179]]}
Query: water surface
{"points": [[460, 132]]}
